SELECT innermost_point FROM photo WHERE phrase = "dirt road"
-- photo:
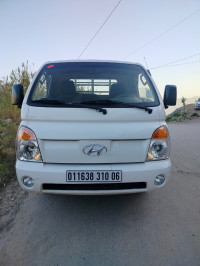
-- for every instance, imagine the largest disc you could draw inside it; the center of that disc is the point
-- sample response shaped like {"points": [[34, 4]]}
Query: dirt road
{"points": [[157, 228]]}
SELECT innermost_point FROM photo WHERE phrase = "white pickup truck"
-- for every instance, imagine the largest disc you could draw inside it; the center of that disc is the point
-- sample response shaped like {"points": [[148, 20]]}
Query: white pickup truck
{"points": [[92, 127]]}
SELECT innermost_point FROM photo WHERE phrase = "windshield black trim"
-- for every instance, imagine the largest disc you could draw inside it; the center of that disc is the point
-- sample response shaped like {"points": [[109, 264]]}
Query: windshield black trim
{"points": [[105, 106]]}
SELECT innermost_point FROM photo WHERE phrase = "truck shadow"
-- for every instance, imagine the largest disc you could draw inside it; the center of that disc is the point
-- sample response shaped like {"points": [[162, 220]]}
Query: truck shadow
{"points": [[96, 206]]}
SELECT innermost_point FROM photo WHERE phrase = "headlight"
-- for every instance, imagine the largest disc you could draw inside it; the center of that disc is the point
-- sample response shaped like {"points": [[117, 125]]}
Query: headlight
{"points": [[159, 146], [27, 146]]}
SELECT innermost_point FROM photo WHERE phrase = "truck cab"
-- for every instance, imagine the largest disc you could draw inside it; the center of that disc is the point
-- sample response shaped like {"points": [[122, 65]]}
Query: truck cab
{"points": [[92, 127]]}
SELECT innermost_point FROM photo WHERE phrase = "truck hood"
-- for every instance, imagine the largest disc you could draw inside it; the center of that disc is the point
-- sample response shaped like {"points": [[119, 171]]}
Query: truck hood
{"points": [[63, 133]]}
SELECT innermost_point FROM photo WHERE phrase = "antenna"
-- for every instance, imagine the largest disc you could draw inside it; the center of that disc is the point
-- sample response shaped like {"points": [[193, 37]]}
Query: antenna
{"points": [[146, 62]]}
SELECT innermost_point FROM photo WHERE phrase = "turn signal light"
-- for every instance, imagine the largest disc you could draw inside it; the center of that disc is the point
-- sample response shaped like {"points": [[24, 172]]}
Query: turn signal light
{"points": [[160, 133], [26, 133]]}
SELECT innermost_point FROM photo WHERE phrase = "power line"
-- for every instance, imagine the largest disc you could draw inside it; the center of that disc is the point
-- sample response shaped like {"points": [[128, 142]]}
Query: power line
{"points": [[177, 64], [89, 43], [163, 33], [178, 60]]}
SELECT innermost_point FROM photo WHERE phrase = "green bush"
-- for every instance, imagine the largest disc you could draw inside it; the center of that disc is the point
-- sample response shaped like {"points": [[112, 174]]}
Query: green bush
{"points": [[176, 114], [7, 151], [177, 117], [6, 109], [195, 115], [8, 129], [23, 75]]}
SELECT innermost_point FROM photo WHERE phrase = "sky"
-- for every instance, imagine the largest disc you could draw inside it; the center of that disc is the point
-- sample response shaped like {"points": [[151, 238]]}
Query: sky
{"points": [[46, 30]]}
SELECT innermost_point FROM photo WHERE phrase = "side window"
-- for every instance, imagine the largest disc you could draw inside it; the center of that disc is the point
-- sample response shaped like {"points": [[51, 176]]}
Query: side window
{"points": [[144, 89], [42, 87]]}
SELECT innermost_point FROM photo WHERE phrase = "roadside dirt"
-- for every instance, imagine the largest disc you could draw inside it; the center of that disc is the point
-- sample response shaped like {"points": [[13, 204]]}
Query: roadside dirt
{"points": [[11, 197], [183, 114]]}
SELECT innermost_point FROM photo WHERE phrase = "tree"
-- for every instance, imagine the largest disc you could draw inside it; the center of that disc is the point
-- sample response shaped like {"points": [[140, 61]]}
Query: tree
{"points": [[183, 100], [22, 75]]}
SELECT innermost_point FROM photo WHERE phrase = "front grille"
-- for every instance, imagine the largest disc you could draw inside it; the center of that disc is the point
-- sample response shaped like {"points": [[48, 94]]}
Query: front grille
{"points": [[115, 186]]}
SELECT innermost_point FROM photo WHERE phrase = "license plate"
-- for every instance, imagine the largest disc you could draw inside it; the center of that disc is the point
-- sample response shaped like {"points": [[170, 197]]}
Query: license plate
{"points": [[94, 176]]}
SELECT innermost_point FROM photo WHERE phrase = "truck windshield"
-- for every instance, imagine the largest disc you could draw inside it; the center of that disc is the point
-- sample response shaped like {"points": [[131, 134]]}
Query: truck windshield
{"points": [[99, 84]]}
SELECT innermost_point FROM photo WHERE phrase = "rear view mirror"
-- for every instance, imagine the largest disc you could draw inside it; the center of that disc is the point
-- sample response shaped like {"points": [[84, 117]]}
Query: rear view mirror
{"points": [[170, 95], [17, 94]]}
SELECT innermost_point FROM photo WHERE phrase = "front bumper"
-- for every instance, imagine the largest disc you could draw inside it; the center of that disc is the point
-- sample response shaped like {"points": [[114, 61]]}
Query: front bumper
{"points": [[51, 178]]}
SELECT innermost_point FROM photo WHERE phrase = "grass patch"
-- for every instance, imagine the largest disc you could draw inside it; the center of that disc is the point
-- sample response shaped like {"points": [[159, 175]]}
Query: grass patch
{"points": [[7, 151], [7, 110], [177, 117], [9, 122], [181, 116], [195, 115]]}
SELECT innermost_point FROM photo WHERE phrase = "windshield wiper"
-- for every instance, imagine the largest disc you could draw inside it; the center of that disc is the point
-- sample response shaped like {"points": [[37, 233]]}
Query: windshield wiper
{"points": [[147, 109], [58, 102], [98, 109], [43, 100]]}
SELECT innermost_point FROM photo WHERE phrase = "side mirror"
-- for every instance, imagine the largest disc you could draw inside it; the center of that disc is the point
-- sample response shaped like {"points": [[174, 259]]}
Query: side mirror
{"points": [[17, 94], [170, 95]]}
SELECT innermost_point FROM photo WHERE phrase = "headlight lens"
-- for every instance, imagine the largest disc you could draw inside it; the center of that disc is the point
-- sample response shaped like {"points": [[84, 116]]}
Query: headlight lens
{"points": [[159, 145], [158, 150], [27, 146]]}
